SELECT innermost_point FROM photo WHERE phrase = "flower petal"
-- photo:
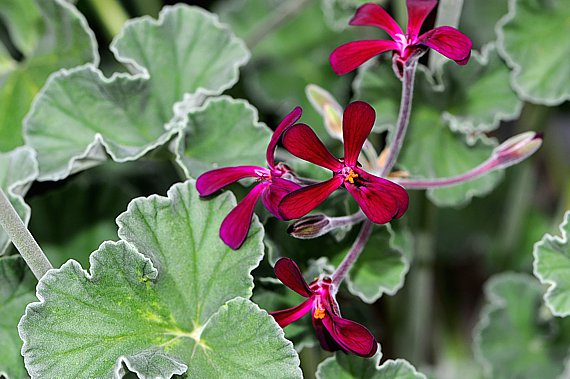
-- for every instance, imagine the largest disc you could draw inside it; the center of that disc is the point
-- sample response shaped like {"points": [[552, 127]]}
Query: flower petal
{"points": [[212, 181], [287, 316], [374, 15], [326, 340], [278, 189], [449, 42], [300, 202], [357, 122], [236, 224], [380, 199], [302, 142], [289, 120], [351, 336], [289, 274], [349, 56], [418, 10]]}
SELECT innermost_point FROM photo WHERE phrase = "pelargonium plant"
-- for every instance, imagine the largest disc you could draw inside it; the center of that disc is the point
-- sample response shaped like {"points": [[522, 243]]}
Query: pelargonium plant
{"points": [[204, 281]]}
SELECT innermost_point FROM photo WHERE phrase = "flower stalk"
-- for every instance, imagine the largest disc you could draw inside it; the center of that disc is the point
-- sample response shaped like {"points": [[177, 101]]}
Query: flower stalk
{"points": [[403, 116], [22, 238], [353, 254]]}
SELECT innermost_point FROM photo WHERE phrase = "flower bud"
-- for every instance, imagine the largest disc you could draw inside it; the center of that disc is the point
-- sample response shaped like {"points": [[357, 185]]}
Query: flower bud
{"points": [[308, 227], [328, 107], [516, 149]]}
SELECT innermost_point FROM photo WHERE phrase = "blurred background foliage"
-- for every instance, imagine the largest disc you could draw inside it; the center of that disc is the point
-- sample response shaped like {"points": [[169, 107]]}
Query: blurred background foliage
{"points": [[431, 320]]}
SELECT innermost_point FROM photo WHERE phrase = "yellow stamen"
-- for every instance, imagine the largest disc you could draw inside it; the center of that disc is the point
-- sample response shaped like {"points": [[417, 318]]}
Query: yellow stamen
{"points": [[351, 176], [319, 313]]}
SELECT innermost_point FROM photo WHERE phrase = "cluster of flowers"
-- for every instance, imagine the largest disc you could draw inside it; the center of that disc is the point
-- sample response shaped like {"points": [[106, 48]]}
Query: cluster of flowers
{"points": [[285, 196]]}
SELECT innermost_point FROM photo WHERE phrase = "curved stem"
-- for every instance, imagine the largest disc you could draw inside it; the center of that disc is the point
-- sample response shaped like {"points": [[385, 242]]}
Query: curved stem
{"points": [[353, 254], [449, 181], [22, 238], [280, 16], [403, 116]]}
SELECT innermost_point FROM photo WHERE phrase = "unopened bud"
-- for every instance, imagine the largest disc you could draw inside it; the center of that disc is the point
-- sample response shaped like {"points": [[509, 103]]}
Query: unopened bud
{"points": [[516, 149], [328, 107], [308, 227]]}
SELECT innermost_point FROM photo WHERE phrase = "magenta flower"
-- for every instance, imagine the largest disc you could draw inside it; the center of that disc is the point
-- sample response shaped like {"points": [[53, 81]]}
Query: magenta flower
{"points": [[380, 199], [444, 39], [334, 332], [272, 187]]}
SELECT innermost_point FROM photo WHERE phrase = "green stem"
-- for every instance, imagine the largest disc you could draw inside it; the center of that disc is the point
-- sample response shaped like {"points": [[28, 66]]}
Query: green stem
{"points": [[22, 238], [111, 14], [281, 15]]}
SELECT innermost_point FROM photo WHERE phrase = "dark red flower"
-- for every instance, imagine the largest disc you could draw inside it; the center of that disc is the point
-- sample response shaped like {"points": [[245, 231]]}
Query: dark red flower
{"points": [[444, 39], [333, 331], [272, 187], [380, 199]]}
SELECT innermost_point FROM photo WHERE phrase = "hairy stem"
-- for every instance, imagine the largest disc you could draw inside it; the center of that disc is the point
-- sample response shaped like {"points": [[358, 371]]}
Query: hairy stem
{"points": [[22, 239], [443, 182], [403, 116], [353, 254]]}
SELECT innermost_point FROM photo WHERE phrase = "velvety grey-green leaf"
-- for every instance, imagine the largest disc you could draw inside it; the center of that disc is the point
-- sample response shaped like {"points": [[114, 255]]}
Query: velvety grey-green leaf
{"points": [[186, 51], [81, 116], [16, 291], [65, 41], [455, 114], [181, 236], [346, 366], [18, 169], [223, 132], [381, 267], [516, 336], [531, 40], [552, 267], [164, 311]]}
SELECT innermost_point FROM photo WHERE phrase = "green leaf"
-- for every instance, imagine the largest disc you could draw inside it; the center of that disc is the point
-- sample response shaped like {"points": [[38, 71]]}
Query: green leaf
{"points": [[179, 303], [346, 366], [517, 337], [448, 120], [478, 20], [381, 267], [223, 132], [530, 41], [23, 22], [18, 169], [177, 60], [552, 267], [63, 39], [16, 291]]}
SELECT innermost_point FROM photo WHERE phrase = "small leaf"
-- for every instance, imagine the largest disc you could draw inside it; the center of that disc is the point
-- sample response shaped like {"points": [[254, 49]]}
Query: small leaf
{"points": [[516, 337], [448, 121], [170, 308], [344, 366], [81, 115], [381, 267], [63, 39], [223, 132], [552, 267], [16, 291], [18, 169], [530, 40]]}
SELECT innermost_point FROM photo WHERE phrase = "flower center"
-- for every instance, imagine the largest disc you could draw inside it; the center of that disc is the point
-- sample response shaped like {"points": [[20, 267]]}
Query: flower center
{"points": [[319, 313], [350, 176]]}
